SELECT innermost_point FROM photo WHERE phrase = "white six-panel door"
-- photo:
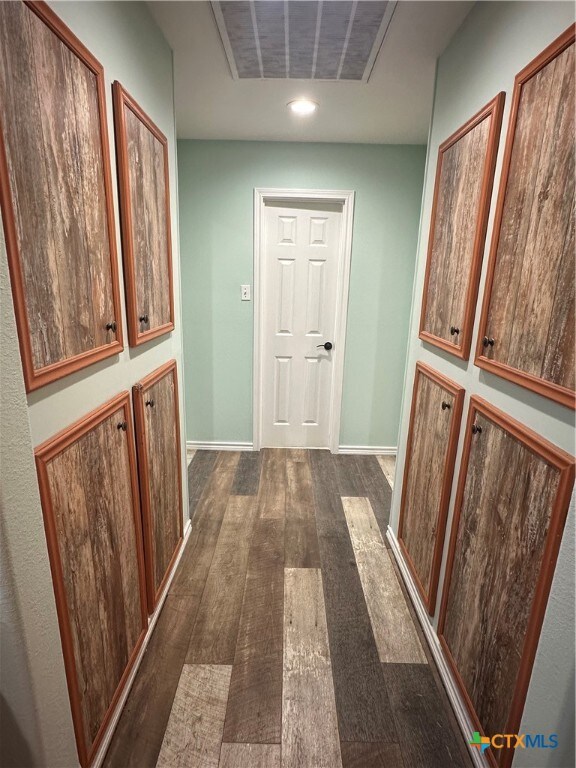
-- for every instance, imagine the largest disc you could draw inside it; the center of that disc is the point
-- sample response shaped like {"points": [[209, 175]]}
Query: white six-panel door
{"points": [[301, 251]]}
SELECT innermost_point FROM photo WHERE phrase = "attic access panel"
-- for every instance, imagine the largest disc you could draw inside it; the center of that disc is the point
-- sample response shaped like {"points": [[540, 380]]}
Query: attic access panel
{"points": [[302, 39]]}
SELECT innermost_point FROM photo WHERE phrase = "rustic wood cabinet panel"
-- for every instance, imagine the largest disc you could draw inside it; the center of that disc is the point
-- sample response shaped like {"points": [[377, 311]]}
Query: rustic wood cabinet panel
{"points": [[513, 495], [428, 470], [142, 151], [527, 324], [89, 490], [463, 187], [56, 195], [160, 468]]}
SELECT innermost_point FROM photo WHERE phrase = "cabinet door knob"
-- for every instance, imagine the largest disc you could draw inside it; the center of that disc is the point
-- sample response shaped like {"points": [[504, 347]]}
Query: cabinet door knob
{"points": [[454, 331], [487, 341], [445, 405], [476, 429], [111, 326], [123, 425], [143, 318], [150, 403]]}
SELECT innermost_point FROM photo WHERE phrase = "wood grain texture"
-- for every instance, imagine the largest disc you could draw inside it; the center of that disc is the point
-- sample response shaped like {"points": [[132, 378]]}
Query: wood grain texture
{"points": [[158, 440], [423, 487], [460, 167], [464, 176], [90, 487], [56, 191], [138, 737], [348, 476], [370, 755], [140, 731], [145, 215], [378, 493], [199, 471], [509, 514], [309, 721], [425, 738], [301, 546], [529, 300], [213, 639], [87, 486], [272, 493], [255, 700], [18, 76], [394, 632], [194, 733], [260, 631], [250, 756], [206, 522], [254, 713], [388, 466], [227, 461], [247, 480], [428, 471], [267, 546], [361, 701]]}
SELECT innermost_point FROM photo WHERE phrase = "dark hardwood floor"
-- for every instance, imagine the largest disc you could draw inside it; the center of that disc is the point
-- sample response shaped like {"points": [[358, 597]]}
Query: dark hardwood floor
{"points": [[286, 639]]}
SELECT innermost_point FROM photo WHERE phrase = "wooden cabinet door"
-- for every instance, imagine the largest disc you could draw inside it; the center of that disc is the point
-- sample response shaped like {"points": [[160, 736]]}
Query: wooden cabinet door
{"points": [[89, 490], [513, 495], [430, 453], [463, 187], [159, 463], [56, 195], [142, 151], [527, 324]]}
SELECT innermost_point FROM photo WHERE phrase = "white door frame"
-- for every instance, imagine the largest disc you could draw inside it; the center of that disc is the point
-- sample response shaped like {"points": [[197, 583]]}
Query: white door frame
{"points": [[346, 197]]}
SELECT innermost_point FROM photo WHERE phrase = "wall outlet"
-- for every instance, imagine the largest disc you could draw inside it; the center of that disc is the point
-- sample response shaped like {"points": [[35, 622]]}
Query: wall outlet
{"points": [[245, 292]]}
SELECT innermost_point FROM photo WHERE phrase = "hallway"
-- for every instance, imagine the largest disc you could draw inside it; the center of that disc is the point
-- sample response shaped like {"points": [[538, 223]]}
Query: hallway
{"points": [[286, 601]]}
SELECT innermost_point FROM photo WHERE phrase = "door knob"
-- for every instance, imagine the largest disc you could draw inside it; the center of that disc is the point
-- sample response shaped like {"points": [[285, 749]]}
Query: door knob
{"points": [[327, 345], [143, 318]]}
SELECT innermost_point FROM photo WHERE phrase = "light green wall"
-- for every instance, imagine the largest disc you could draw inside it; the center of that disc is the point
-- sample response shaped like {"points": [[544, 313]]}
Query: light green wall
{"points": [[496, 40], [216, 181]]}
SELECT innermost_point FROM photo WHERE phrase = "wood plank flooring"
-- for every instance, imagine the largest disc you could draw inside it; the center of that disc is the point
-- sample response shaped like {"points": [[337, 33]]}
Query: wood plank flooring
{"points": [[309, 722], [194, 732], [286, 639], [394, 633], [388, 465]]}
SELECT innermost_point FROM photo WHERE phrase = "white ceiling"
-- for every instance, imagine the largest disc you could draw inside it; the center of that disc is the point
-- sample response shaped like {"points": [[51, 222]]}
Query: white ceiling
{"points": [[394, 107]]}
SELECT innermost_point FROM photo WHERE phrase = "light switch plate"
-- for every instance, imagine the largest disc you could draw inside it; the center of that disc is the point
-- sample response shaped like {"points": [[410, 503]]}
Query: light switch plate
{"points": [[245, 292]]}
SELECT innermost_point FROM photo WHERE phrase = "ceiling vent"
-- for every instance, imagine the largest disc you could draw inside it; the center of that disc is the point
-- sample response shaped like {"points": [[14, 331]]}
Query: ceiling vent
{"points": [[302, 39]]}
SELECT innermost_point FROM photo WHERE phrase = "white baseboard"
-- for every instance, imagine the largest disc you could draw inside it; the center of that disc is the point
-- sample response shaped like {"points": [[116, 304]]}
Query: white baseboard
{"points": [[458, 705], [382, 450], [197, 445], [105, 743]]}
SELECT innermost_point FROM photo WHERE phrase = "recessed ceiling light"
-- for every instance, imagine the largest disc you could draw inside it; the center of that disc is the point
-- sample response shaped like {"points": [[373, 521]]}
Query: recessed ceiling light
{"points": [[302, 106]]}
